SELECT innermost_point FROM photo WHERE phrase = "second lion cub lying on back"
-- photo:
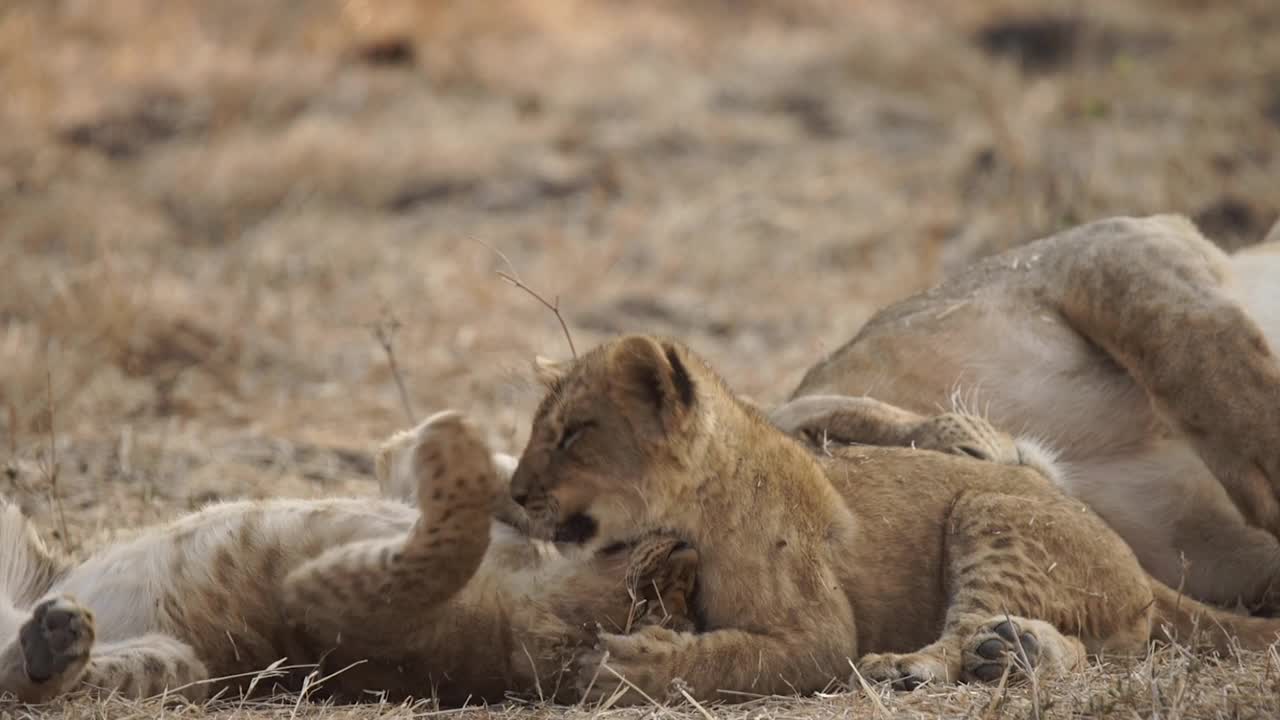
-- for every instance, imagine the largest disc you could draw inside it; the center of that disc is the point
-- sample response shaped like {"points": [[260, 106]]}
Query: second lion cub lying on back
{"points": [[440, 601]]}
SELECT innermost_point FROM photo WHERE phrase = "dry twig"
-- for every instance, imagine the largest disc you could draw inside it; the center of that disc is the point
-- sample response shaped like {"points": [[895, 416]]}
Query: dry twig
{"points": [[49, 467], [514, 278], [385, 332]]}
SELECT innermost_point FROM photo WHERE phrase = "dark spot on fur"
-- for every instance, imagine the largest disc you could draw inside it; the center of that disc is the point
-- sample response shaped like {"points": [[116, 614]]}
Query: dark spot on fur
{"points": [[782, 544], [444, 516], [437, 495], [1002, 543]]}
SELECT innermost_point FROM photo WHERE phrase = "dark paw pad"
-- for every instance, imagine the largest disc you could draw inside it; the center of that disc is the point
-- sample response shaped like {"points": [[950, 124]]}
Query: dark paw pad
{"points": [[1009, 644], [59, 634]]}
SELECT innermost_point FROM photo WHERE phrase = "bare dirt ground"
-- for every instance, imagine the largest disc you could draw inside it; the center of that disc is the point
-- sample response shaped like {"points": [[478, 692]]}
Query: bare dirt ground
{"points": [[208, 209]]}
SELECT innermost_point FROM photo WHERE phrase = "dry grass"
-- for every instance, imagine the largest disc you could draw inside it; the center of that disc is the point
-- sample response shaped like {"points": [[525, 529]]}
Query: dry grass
{"points": [[205, 207]]}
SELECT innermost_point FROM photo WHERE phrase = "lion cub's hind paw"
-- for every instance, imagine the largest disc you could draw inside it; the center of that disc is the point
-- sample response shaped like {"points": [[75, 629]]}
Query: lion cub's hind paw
{"points": [[1021, 647], [57, 639], [996, 648], [453, 465]]}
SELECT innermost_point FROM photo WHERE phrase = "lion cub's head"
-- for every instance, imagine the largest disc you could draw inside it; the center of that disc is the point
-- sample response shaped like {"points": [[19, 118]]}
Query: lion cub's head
{"points": [[614, 440]]}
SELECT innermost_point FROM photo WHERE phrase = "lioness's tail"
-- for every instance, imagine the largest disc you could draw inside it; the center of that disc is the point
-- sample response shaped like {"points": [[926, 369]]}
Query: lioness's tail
{"points": [[27, 568], [1183, 620]]}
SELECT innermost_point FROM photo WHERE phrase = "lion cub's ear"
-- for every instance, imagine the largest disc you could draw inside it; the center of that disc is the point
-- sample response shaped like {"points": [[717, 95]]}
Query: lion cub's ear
{"points": [[654, 373], [549, 372]]}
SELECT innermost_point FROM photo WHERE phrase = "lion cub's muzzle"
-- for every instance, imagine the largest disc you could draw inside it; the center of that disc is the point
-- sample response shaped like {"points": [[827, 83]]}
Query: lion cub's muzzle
{"points": [[547, 518]]}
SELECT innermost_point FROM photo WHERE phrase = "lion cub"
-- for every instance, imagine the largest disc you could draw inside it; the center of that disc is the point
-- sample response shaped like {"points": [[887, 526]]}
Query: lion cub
{"points": [[438, 599], [923, 566]]}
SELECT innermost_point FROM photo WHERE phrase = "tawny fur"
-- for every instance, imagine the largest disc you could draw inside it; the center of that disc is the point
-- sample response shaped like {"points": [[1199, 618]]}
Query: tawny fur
{"points": [[1136, 350], [921, 565], [438, 600]]}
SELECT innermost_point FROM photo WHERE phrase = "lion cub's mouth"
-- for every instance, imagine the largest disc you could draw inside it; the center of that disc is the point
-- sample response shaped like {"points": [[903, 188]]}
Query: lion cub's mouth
{"points": [[576, 529]]}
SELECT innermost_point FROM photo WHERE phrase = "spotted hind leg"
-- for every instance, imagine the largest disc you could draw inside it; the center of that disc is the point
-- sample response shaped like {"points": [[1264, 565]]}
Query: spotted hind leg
{"points": [[1033, 583], [372, 586]]}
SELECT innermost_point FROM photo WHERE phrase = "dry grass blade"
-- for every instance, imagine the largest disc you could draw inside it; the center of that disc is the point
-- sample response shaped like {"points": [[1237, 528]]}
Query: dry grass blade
{"points": [[697, 705], [881, 710], [627, 683]]}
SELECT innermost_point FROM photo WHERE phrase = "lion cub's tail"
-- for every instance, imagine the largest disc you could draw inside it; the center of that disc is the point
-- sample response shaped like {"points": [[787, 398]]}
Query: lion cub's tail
{"points": [[1183, 620], [27, 568]]}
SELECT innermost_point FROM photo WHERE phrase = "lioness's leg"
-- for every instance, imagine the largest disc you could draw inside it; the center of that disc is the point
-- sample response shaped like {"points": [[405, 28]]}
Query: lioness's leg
{"points": [[1042, 566], [54, 653], [375, 585], [1153, 295]]}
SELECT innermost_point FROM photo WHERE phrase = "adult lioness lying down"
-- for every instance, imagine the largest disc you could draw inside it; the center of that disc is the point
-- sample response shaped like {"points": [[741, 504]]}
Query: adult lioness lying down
{"points": [[924, 566], [374, 595], [1135, 349]]}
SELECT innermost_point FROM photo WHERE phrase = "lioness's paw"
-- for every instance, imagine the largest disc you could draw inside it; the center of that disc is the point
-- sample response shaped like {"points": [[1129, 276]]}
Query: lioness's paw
{"points": [[56, 639], [903, 672], [966, 435], [623, 669]]}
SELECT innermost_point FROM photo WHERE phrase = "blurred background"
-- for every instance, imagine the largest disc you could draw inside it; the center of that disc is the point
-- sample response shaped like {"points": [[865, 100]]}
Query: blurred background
{"points": [[217, 215]]}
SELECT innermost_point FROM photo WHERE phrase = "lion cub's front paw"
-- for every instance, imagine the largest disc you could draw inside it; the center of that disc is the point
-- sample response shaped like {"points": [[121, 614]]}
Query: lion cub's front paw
{"points": [[624, 669], [57, 639], [903, 671]]}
